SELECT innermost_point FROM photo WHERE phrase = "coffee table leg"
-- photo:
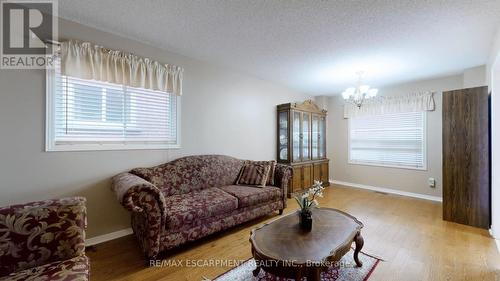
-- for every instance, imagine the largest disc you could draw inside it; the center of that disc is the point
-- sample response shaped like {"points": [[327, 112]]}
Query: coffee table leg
{"points": [[358, 239], [256, 271], [315, 275], [299, 274]]}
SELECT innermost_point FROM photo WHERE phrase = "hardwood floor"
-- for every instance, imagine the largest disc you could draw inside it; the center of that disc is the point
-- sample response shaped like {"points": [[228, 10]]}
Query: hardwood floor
{"points": [[409, 234]]}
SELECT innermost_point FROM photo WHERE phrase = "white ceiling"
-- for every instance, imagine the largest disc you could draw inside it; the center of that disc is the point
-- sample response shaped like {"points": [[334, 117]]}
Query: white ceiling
{"points": [[312, 46]]}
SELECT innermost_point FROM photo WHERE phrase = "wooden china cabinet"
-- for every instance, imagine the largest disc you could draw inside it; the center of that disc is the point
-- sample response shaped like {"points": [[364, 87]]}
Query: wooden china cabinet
{"points": [[302, 143]]}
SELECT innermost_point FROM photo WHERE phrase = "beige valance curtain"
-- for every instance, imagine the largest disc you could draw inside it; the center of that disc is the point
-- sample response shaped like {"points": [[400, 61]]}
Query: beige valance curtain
{"points": [[87, 61], [393, 104]]}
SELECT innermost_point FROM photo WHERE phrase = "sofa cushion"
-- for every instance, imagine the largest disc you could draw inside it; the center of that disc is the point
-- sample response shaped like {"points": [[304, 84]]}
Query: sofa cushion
{"points": [[171, 239], [250, 196], [254, 174], [188, 207], [75, 269], [272, 163]]}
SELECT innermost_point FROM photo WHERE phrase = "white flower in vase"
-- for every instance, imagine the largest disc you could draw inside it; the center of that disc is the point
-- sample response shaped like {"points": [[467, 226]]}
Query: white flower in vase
{"points": [[307, 199]]}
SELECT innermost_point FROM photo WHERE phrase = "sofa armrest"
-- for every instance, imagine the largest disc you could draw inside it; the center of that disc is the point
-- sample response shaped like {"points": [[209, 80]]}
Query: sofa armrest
{"points": [[146, 202], [41, 232], [138, 195], [282, 177]]}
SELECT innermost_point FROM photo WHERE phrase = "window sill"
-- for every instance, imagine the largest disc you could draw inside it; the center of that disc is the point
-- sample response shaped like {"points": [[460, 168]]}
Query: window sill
{"points": [[108, 147], [386, 166]]}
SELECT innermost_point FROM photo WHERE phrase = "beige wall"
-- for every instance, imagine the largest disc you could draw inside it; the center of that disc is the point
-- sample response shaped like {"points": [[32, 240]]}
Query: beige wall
{"points": [[414, 181], [223, 112], [475, 77]]}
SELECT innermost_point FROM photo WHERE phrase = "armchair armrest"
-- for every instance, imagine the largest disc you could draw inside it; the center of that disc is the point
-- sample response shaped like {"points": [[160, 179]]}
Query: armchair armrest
{"points": [[138, 195], [41, 232], [282, 177]]}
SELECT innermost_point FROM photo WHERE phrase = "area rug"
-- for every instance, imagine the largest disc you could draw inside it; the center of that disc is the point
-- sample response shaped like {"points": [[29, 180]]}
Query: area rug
{"points": [[345, 270]]}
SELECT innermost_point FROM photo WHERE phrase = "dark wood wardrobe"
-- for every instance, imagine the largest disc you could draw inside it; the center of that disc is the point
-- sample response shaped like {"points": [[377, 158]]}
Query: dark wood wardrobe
{"points": [[466, 157]]}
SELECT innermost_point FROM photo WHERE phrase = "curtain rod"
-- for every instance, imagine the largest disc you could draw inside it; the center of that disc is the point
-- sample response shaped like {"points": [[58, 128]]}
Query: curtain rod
{"points": [[52, 42], [57, 43]]}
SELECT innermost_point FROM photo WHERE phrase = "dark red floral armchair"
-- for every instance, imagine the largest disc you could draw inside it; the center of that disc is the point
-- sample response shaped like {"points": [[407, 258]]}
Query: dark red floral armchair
{"points": [[44, 241]]}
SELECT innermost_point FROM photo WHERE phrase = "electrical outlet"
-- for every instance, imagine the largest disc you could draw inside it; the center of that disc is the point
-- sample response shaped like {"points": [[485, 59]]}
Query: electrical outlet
{"points": [[432, 183]]}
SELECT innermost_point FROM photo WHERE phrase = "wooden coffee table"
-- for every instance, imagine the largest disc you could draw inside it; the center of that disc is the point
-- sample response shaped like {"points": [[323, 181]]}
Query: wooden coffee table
{"points": [[281, 248]]}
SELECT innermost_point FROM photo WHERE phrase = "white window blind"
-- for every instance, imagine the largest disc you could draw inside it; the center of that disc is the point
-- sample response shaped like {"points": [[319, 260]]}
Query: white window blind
{"points": [[89, 115], [394, 140]]}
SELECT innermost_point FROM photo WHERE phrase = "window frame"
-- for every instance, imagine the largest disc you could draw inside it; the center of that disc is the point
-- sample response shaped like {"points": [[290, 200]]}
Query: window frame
{"points": [[51, 145], [363, 163]]}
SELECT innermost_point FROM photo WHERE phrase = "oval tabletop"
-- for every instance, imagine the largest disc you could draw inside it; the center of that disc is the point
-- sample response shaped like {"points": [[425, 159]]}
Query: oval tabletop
{"points": [[282, 239]]}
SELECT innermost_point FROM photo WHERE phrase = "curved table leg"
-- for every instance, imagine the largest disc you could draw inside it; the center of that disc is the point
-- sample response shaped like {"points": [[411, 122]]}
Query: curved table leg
{"points": [[358, 239], [299, 274], [256, 271], [315, 274]]}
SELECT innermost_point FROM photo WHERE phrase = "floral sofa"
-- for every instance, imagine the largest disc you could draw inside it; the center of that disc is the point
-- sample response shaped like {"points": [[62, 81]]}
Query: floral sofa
{"points": [[192, 197], [44, 241]]}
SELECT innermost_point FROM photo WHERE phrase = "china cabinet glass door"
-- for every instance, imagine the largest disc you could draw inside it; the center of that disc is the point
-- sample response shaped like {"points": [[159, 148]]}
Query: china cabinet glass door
{"points": [[296, 136], [322, 137], [315, 137], [306, 121], [283, 135]]}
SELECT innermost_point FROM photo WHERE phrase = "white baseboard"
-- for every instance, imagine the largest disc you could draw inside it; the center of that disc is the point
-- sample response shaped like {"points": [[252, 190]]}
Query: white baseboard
{"points": [[497, 241], [493, 235], [107, 237], [389, 190]]}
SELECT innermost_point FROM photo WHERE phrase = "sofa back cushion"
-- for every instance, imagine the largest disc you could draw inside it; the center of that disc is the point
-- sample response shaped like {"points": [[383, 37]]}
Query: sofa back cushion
{"points": [[192, 173]]}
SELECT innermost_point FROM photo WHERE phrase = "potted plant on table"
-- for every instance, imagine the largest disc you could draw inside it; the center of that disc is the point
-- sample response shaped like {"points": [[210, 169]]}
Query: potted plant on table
{"points": [[306, 201]]}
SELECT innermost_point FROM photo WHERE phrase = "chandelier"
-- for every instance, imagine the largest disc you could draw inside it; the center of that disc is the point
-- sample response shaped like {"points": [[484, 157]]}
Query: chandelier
{"points": [[357, 95]]}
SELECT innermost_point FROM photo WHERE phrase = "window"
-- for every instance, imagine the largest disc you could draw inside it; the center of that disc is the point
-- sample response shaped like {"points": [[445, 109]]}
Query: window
{"points": [[392, 140], [93, 115]]}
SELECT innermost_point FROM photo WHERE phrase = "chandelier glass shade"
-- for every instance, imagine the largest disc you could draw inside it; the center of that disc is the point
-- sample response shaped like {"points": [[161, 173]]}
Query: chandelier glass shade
{"points": [[357, 95]]}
